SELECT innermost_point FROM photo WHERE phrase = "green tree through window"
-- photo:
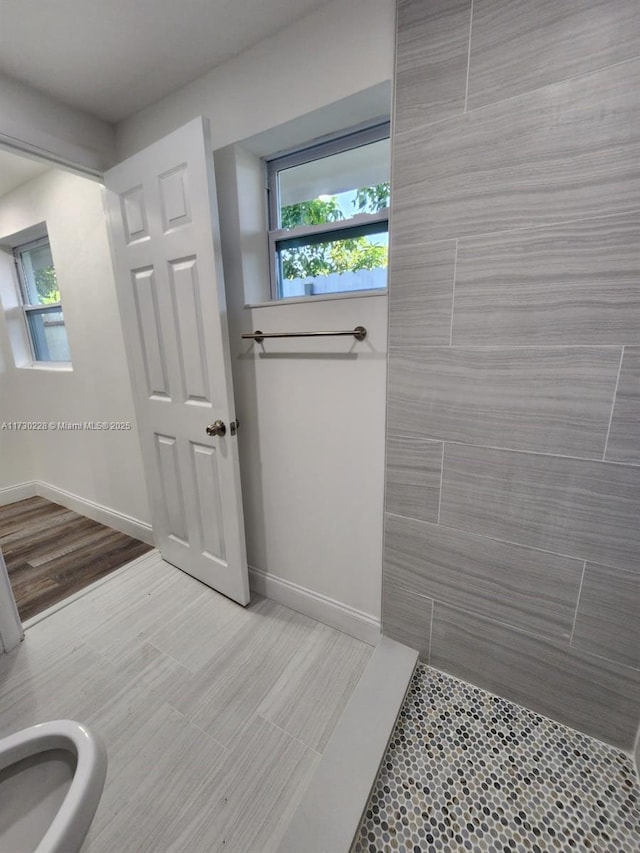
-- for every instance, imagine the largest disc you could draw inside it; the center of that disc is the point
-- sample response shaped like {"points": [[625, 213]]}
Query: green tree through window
{"points": [[338, 256], [47, 285]]}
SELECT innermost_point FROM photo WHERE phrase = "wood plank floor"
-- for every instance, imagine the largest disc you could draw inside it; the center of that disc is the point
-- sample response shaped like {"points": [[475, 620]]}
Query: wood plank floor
{"points": [[52, 552], [214, 715]]}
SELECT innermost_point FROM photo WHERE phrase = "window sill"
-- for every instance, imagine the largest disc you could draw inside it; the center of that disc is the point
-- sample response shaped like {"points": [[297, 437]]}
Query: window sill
{"points": [[323, 297], [53, 366]]}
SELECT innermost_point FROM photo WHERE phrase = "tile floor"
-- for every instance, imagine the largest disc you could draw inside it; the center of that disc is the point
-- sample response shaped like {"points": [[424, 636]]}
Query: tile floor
{"points": [[468, 771], [214, 715]]}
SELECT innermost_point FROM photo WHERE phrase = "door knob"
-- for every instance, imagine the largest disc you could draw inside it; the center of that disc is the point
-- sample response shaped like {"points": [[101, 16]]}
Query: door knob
{"points": [[216, 428]]}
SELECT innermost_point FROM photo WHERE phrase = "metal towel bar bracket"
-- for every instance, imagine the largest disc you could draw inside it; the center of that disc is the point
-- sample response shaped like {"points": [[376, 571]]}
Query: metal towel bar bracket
{"points": [[359, 333]]}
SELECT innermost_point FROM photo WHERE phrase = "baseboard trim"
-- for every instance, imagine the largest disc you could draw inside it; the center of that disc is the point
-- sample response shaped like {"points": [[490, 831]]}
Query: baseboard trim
{"points": [[327, 610], [19, 492], [90, 509], [337, 615], [103, 514]]}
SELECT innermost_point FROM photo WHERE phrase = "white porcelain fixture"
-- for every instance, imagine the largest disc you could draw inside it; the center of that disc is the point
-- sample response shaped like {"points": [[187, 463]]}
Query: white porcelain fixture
{"points": [[51, 780]]}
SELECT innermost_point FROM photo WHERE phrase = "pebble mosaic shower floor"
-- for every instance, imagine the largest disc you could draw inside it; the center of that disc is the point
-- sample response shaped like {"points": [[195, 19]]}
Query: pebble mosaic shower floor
{"points": [[466, 770]]}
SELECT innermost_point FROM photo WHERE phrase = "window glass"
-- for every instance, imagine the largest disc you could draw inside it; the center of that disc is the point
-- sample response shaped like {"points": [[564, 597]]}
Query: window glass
{"points": [[48, 334], [335, 265], [329, 216], [339, 186], [39, 275], [41, 302]]}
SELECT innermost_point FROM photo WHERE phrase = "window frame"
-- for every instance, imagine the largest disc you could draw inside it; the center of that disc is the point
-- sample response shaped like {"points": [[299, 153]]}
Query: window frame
{"points": [[358, 225], [30, 307]]}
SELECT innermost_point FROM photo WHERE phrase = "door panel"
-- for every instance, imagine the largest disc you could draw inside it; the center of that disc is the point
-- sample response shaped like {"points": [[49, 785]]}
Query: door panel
{"points": [[187, 310], [163, 228], [144, 289], [205, 466], [174, 198], [172, 492], [134, 215]]}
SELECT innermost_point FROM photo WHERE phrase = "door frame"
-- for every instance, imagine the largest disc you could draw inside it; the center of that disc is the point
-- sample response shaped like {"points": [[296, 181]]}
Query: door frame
{"points": [[11, 630]]}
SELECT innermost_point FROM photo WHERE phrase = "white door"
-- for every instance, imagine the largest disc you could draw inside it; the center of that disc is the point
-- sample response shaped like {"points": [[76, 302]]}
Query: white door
{"points": [[163, 227]]}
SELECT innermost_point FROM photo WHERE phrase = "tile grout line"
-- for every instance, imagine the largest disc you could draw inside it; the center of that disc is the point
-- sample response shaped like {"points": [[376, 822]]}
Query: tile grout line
{"points": [[466, 88], [453, 293], [225, 749], [170, 656], [496, 539], [575, 615], [441, 479], [526, 93], [613, 405], [636, 750], [487, 236], [502, 347], [593, 459], [433, 607], [556, 641], [288, 734]]}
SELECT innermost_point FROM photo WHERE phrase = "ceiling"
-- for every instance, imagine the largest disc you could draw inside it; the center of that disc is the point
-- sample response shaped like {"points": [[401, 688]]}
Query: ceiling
{"points": [[113, 58]]}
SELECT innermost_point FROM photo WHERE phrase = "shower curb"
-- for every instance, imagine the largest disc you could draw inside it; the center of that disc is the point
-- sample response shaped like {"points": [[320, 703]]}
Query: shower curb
{"points": [[329, 814]]}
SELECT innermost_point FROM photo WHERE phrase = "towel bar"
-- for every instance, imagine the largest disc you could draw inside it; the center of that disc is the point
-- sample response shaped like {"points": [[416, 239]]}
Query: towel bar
{"points": [[359, 333]]}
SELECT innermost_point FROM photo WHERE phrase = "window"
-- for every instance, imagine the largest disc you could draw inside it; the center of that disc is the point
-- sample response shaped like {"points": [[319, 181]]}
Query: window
{"points": [[41, 301], [329, 216]]}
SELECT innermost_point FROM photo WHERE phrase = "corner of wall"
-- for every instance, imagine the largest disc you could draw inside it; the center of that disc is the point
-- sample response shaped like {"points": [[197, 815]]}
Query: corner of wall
{"points": [[34, 122]]}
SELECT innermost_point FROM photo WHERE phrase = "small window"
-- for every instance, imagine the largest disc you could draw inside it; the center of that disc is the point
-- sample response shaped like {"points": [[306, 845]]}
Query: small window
{"points": [[329, 216], [41, 301]]}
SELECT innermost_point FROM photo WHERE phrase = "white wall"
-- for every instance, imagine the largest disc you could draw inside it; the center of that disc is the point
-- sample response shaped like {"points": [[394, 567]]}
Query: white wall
{"points": [[32, 120], [16, 465], [312, 448], [344, 47], [312, 416], [101, 467], [311, 413]]}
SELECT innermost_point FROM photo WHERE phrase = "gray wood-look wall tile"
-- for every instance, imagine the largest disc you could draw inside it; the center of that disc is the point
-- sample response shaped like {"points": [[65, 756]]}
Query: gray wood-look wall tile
{"points": [[594, 695], [624, 439], [575, 283], [420, 292], [553, 400], [518, 45], [608, 617], [583, 508], [569, 151], [406, 615], [529, 589], [414, 468], [431, 70], [548, 153]]}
